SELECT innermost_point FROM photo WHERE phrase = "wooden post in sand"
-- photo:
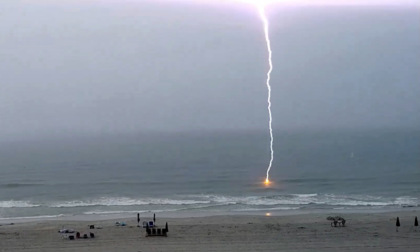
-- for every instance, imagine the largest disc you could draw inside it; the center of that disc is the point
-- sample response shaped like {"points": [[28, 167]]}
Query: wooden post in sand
{"points": [[398, 223], [416, 224]]}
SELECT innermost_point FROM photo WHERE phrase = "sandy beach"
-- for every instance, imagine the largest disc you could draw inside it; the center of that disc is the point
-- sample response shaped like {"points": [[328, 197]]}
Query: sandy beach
{"points": [[305, 232]]}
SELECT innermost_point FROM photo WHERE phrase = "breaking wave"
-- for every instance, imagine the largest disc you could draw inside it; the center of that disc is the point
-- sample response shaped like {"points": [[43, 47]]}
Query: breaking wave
{"points": [[125, 201], [37, 217], [14, 203], [313, 199], [190, 202]]}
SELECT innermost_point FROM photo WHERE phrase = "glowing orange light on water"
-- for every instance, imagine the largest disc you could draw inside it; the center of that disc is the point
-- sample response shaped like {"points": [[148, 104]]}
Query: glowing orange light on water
{"points": [[267, 214], [267, 182]]}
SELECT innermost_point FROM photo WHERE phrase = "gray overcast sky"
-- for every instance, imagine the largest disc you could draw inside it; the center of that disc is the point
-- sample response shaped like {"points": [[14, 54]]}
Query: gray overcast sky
{"points": [[111, 68]]}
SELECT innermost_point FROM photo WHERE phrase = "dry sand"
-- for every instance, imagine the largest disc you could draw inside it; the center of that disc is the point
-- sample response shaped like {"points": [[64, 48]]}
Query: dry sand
{"points": [[307, 232]]}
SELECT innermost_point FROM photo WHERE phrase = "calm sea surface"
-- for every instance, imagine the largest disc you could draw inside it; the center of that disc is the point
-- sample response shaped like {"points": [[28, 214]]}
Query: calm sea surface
{"points": [[210, 173]]}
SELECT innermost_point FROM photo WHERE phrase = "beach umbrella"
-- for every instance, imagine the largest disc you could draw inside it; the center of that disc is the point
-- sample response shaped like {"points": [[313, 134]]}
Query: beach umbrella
{"points": [[398, 223], [416, 222], [138, 218], [154, 217], [166, 226]]}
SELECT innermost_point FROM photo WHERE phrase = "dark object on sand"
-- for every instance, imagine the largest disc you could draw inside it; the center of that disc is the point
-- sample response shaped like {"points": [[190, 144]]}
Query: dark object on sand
{"points": [[416, 222], [71, 237], [91, 226], [156, 232], [78, 235], [85, 236], [92, 235], [138, 219], [154, 217], [337, 221], [398, 223]]}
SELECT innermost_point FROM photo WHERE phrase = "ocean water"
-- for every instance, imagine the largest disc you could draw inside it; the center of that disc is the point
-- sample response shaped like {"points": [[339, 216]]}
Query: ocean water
{"points": [[210, 173]]}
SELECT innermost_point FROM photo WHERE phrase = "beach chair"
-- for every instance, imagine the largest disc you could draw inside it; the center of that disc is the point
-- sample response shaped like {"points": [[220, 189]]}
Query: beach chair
{"points": [[67, 236], [343, 222], [337, 221]]}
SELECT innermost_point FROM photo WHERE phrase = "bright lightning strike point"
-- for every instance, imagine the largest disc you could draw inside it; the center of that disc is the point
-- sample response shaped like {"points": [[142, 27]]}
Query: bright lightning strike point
{"points": [[270, 69]]}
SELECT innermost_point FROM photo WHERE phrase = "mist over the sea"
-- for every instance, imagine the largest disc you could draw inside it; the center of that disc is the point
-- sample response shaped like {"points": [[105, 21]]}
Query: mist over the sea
{"points": [[99, 68]]}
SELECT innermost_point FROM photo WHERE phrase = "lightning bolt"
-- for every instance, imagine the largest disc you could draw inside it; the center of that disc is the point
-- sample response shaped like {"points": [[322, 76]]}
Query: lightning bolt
{"points": [[264, 19]]}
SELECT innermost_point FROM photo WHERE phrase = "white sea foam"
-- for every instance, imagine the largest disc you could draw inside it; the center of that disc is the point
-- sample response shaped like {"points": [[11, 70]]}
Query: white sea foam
{"points": [[125, 201], [204, 201], [18, 203], [310, 199], [263, 200], [407, 201], [305, 195], [266, 209], [34, 217]]}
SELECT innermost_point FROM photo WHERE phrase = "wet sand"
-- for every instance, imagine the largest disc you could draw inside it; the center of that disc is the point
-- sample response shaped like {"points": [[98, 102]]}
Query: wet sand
{"points": [[306, 232]]}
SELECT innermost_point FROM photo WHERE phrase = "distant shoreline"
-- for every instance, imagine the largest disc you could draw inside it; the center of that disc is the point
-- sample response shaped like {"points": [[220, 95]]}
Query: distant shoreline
{"points": [[198, 214]]}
